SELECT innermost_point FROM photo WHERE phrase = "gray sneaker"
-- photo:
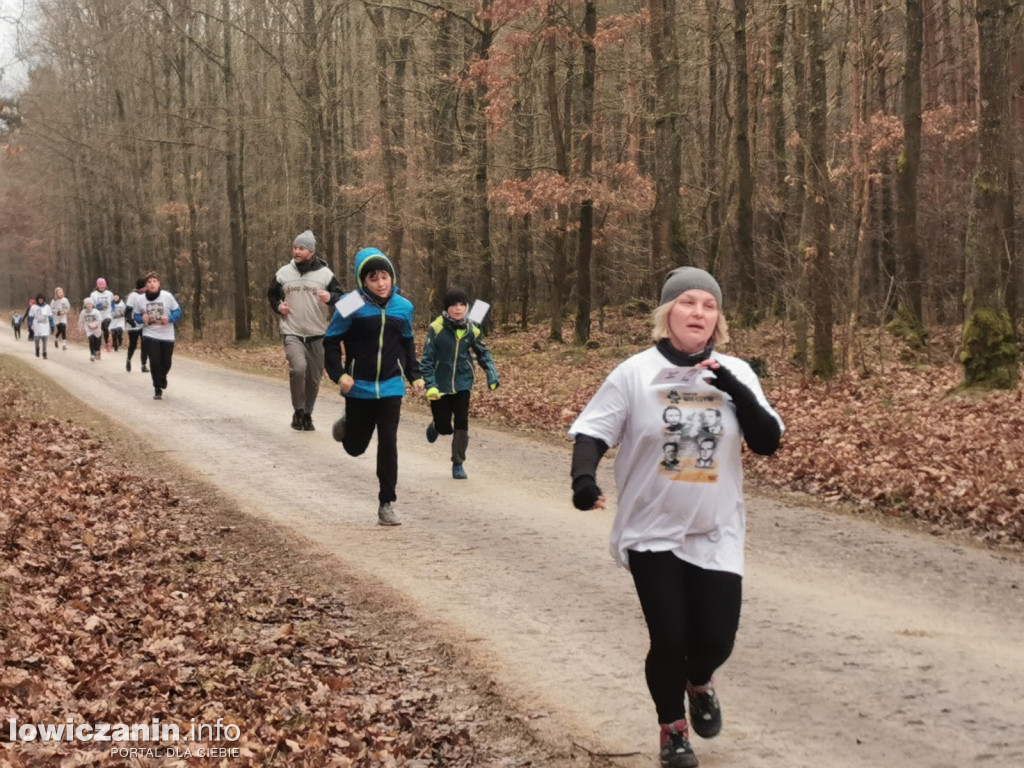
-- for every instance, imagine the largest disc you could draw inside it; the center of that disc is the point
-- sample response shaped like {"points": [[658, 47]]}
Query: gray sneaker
{"points": [[386, 515]]}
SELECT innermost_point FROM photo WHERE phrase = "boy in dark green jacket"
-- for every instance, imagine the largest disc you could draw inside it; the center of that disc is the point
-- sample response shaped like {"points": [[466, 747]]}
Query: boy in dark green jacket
{"points": [[448, 374]]}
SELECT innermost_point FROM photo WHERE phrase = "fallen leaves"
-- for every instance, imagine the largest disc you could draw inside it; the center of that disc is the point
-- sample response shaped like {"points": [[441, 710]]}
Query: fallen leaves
{"points": [[116, 607]]}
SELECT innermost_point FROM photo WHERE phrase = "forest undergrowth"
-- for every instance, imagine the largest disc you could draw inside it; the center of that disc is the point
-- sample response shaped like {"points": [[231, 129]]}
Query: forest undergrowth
{"points": [[885, 435]]}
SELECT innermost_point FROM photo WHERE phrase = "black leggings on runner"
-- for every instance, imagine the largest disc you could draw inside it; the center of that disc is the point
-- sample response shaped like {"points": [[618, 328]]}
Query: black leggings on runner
{"points": [[133, 341], [692, 616], [60, 331]]}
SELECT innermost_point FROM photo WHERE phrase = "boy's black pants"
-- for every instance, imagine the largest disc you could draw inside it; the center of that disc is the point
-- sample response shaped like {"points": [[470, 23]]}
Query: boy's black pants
{"points": [[362, 417], [159, 353]]}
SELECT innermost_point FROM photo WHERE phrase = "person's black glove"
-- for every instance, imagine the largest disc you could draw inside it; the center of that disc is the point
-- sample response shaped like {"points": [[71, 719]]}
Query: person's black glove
{"points": [[585, 492], [726, 382]]}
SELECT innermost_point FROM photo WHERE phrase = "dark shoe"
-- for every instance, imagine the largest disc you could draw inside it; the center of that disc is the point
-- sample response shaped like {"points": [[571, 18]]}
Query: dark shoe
{"points": [[128, 365], [705, 712], [458, 472], [431, 432], [386, 515], [307, 422], [297, 420], [44, 355], [159, 395], [676, 751], [145, 369], [338, 429]]}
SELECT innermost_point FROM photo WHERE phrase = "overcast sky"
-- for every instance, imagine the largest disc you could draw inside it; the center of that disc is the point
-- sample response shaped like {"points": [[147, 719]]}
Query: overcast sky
{"points": [[13, 14]]}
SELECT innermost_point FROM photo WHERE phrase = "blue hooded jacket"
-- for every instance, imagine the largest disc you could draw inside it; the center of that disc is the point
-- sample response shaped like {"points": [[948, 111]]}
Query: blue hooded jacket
{"points": [[378, 338]]}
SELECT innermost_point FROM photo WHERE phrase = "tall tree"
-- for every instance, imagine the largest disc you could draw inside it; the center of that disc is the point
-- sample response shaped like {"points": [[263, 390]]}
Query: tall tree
{"points": [[233, 178], [586, 129], [908, 253], [989, 355], [749, 300], [816, 210], [667, 237]]}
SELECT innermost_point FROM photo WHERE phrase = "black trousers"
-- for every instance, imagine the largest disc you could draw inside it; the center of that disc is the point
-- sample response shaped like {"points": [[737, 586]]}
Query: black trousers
{"points": [[159, 353], [133, 341], [60, 332], [448, 407], [692, 617], [362, 417]]}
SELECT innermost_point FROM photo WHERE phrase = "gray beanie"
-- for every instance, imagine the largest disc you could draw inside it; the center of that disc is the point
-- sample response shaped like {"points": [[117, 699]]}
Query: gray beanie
{"points": [[306, 240], [686, 279]]}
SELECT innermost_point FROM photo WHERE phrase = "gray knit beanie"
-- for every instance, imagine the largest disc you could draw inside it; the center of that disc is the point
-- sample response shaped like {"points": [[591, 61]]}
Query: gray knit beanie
{"points": [[686, 279], [306, 240]]}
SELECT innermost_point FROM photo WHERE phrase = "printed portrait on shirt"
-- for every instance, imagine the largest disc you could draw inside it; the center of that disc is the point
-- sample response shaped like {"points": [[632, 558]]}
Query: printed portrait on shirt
{"points": [[691, 427]]}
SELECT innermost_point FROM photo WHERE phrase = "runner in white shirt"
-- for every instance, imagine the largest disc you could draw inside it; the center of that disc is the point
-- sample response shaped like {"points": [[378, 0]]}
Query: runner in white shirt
{"points": [[40, 320], [134, 328], [679, 412], [60, 307], [160, 311], [101, 300]]}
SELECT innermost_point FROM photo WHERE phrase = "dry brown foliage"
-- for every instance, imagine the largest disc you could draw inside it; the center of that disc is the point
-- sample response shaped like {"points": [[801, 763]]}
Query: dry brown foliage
{"points": [[120, 602]]}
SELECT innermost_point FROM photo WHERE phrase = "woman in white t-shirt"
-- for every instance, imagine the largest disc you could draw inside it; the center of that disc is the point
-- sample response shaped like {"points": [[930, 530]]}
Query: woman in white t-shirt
{"points": [[681, 524], [157, 311]]}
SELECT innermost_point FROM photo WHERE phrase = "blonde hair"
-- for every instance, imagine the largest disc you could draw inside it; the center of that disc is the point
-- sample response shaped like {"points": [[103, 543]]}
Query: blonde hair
{"points": [[659, 325]]}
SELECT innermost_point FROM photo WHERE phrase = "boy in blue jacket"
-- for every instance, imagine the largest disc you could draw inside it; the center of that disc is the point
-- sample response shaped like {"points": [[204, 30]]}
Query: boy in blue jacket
{"points": [[379, 349], [448, 373]]}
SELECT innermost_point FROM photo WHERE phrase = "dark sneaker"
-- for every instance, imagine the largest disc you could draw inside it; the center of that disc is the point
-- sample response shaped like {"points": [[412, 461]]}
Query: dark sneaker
{"points": [[128, 365], [338, 429], [386, 515], [307, 422], [705, 712], [431, 432], [297, 420], [159, 394], [458, 472], [676, 751], [145, 368]]}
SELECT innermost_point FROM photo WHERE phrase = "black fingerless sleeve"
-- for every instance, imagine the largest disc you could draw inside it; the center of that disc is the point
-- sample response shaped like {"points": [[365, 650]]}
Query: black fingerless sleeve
{"points": [[761, 429]]}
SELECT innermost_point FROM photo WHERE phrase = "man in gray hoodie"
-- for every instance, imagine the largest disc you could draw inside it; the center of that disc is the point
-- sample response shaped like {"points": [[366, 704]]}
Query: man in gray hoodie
{"points": [[298, 292]]}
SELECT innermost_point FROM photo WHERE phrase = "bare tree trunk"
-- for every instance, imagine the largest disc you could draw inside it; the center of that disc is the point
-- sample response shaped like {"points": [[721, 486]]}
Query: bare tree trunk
{"points": [[823, 358], [667, 238], [989, 353], [442, 155], [778, 207], [909, 255], [233, 180], [559, 268], [713, 218], [482, 144], [586, 128], [749, 301]]}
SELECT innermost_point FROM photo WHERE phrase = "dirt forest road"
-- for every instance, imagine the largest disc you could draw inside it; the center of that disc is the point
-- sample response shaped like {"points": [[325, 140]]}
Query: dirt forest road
{"points": [[860, 644]]}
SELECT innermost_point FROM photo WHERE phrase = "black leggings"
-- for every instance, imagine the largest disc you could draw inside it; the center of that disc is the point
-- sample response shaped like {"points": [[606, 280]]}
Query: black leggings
{"points": [[448, 406], [60, 332], [133, 340], [362, 417], [692, 616]]}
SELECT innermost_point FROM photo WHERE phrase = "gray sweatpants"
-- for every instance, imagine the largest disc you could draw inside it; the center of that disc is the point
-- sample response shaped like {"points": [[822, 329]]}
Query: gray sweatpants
{"points": [[305, 369]]}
